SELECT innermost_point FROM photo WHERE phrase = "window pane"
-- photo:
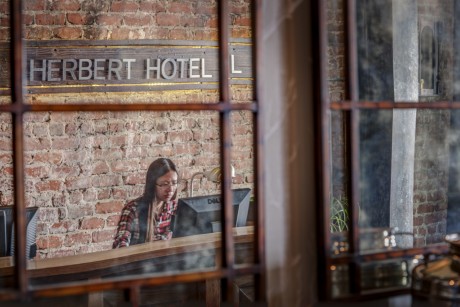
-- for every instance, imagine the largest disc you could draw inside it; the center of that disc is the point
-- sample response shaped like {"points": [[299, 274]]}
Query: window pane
{"points": [[407, 159], [242, 152], [241, 74], [6, 200], [122, 52], [5, 39], [82, 169], [419, 63], [408, 179]]}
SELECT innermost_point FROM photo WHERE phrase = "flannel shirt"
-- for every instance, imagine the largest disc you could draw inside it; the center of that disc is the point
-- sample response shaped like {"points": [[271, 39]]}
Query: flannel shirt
{"points": [[132, 226]]}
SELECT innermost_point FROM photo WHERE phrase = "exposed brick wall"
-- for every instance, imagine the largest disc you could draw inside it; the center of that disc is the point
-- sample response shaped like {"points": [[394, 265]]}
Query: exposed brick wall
{"points": [[81, 168]]}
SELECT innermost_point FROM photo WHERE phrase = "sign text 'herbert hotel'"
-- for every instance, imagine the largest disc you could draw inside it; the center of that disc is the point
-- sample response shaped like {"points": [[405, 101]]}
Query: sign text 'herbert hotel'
{"points": [[140, 65]]}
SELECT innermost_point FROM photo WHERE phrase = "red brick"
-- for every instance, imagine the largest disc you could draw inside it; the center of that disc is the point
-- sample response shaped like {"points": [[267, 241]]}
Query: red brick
{"points": [[5, 20], [192, 21], [36, 171], [100, 167], [49, 242], [77, 239], [78, 183], [48, 19], [109, 20], [34, 5], [68, 33], [50, 185], [49, 157], [113, 220], [149, 6], [166, 19], [120, 33], [92, 223], [5, 34], [137, 20], [65, 5], [6, 145], [124, 6], [134, 179], [180, 7], [104, 194], [103, 236], [109, 207], [79, 18], [62, 227], [180, 136]]}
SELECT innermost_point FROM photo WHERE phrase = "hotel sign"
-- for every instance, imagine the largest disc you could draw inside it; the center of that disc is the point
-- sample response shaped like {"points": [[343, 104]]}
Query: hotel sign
{"points": [[140, 65]]}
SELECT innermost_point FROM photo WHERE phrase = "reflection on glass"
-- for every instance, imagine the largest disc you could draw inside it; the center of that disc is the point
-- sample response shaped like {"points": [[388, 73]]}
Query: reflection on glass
{"points": [[6, 197], [5, 60], [340, 280], [88, 174], [339, 210], [123, 53], [243, 172], [419, 63], [187, 294], [408, 180], [385, 274]]}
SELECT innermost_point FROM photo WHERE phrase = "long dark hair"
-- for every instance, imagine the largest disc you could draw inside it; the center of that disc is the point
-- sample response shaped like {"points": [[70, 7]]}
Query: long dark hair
{"points": [[157, 168]]}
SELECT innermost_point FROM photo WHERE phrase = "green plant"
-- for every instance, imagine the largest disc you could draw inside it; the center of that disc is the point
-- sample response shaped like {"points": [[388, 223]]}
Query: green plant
{"points": [[339, 214]]}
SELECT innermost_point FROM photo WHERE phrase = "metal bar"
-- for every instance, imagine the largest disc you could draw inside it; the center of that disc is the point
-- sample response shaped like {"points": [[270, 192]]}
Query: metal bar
{"points": [[17, 98], [258, 143], [228, 257], [323, 139], [130, 107], [388, 254], [349, 105]]}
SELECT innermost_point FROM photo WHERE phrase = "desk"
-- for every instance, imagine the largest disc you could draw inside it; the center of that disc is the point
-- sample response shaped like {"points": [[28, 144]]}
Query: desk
{"points": [[126, 261]]}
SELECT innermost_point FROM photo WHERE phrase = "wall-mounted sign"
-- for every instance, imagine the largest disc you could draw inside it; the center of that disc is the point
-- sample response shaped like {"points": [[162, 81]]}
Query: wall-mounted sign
{"points": [[79, 66]]}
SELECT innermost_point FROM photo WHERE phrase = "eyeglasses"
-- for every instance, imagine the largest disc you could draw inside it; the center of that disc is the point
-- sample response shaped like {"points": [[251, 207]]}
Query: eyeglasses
{"points": [[164, 185]]}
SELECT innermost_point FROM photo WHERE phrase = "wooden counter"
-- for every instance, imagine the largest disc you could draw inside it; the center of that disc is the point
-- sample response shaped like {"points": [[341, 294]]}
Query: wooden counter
{"points": [[158, 256]]}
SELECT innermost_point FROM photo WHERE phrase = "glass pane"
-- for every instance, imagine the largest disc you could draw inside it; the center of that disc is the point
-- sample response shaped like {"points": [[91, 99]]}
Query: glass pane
{"points": [[243, 174], [417, 64], [386, 274], [6, 200], [340, 280], [124, 52], [408, 178], [406, 163], [339, 211], [5, 39], [88, 174], [189, 294], [241, 74]]}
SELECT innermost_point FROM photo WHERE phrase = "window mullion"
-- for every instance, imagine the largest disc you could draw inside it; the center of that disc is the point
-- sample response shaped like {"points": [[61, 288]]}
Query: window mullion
{"points": [[353, 161], [228, 256], [17, 98]]}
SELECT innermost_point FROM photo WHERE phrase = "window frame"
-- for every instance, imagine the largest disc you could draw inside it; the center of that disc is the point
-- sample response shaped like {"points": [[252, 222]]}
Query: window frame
{"points": [[351, 106], [227, 271]]}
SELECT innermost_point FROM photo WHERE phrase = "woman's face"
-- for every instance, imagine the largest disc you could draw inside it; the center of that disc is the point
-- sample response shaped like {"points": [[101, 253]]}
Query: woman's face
{"points": [[166, 186]]}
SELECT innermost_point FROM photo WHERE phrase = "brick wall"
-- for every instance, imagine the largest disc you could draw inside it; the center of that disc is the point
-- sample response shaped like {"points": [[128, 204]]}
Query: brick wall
{"points": [[81, 168]]}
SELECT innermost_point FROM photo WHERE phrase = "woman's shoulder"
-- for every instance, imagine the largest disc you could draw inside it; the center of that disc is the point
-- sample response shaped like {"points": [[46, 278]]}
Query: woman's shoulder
{"points": [[133, 205]]}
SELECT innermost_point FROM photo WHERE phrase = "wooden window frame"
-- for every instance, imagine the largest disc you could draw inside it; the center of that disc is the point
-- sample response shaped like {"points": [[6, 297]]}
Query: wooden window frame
{"points": [[350, 106], [227, 271]]}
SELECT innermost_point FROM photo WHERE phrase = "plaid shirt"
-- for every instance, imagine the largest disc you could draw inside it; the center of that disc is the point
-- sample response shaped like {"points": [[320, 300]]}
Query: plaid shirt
{"points": [[132, 226]]}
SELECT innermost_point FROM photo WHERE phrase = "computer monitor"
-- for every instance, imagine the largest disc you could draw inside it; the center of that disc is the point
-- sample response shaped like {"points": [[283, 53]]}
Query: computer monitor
{"points": [[7, 231], [201, 214]]}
